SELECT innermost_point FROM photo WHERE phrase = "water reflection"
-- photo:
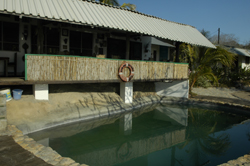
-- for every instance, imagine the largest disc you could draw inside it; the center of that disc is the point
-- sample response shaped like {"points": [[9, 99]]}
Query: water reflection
{"points": [[44, 142], [125, 124], [175, 115], [153, 135], [200, 141]]}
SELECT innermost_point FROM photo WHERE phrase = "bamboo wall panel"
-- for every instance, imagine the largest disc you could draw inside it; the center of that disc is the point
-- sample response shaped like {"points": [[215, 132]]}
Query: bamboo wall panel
{"points": [[180, 71], [67, 68]]}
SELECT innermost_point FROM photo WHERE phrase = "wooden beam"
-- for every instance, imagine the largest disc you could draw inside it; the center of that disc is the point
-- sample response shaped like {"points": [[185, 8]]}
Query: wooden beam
{"points": [[20, 81], [177, 58], [127, 46]]}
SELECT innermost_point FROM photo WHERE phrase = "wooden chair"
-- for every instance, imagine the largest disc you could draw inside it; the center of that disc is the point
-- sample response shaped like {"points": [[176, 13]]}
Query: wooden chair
{"points": [[14, 64]]}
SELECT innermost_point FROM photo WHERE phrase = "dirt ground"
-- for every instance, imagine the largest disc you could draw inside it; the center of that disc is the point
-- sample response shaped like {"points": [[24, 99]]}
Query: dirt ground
{"points": [[65, 99]]}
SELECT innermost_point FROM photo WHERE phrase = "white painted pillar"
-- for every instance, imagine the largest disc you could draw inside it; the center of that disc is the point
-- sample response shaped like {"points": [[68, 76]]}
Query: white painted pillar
{"points": [[126, 91], [41, 91]]}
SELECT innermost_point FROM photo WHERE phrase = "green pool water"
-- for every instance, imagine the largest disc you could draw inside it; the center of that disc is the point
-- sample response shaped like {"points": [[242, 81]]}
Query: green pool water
{"points": [[153, 136]]}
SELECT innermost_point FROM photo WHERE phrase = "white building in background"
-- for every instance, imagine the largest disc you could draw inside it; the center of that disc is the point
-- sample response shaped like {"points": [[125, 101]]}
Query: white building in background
{"points": [[243, 57]]}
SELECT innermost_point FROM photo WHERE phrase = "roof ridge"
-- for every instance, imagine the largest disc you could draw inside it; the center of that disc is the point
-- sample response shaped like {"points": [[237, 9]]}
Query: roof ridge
{"points": [[135, 11]]}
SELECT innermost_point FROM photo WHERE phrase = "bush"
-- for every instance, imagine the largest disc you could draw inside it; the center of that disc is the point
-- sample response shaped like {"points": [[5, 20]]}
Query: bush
{"points": [[234, 78], [203, 82]]}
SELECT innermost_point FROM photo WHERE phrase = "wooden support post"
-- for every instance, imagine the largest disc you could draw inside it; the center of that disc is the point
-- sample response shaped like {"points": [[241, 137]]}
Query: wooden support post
{"points": [[41, 91], [177, 59], [127, 46], [126, 91], [40, 37]]}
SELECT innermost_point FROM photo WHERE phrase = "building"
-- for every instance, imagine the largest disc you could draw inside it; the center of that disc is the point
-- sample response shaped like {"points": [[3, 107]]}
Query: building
{"points": [[87, 29], [243, 56]]}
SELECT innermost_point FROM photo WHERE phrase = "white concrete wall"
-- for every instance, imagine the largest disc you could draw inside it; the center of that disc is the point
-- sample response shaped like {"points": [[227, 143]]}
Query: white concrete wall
{"points": [[242, 62], [173, 89]]}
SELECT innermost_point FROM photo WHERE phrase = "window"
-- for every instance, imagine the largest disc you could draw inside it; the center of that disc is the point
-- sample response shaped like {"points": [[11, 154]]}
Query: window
{"points": [[163, 53], [116, 48], [9, 36], [247, 60], [51, 40], [34, 31], [80, 43], [135, 51]]}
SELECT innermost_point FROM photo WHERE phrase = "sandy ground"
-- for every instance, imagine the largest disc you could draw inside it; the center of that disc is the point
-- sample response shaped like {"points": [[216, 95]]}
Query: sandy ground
{"points": [[67, 102]]}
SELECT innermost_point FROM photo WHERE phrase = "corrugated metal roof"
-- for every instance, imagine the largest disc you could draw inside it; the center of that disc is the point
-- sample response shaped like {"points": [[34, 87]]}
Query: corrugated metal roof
{"points": [[102, 15], [160, 43], [240, 51]]}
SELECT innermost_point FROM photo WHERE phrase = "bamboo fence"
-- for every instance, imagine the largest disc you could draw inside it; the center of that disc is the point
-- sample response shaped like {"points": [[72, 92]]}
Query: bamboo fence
{"points": [[75, 68]]}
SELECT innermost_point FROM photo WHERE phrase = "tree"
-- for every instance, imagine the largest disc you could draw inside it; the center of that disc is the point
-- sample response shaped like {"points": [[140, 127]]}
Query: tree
{"points": [[203, 60], [247, 45], [116, 3], [206, 33], [226, 39], [110, 2], [129, 6]]}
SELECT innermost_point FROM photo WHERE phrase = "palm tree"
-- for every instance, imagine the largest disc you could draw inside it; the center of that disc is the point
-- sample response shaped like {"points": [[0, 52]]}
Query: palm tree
{"points": [[129, 6], [110, 2], [203, 60], [116, 3]]}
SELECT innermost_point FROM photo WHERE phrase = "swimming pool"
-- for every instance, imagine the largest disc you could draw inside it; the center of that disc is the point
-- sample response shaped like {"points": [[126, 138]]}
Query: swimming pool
{"points": [[158, 134]]}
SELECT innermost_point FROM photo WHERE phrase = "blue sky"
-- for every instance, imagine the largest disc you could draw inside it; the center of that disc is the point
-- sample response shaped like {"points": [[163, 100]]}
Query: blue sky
{"points": [[231, 16]]}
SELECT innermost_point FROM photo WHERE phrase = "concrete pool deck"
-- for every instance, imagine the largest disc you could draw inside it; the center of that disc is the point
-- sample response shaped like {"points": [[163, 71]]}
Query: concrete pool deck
{"points": [[25, 151], [223, 95]]}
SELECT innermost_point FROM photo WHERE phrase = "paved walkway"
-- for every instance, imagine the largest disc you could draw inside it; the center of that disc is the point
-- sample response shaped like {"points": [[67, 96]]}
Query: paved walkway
{"points": [[229, 95], [12, 154], [217, 92]]}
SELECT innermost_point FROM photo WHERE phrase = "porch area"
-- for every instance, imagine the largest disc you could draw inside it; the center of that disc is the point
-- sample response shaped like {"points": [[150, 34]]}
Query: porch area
{"points": [[42, 70]]}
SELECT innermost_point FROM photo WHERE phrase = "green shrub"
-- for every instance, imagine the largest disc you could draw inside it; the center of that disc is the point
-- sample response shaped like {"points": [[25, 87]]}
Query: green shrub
{"points": [[203, 82]]}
